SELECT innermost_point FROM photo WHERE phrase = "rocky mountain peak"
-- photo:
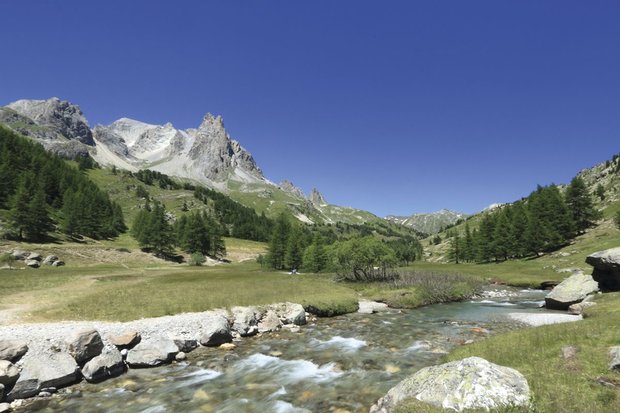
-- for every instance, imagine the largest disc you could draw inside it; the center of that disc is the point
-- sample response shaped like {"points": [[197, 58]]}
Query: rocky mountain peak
{"points": [[317, 198], [59, 116], [210, 121], [288, 186]]}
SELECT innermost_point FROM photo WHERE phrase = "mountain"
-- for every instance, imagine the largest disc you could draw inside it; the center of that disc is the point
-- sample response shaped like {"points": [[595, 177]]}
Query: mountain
{"points": [[57, 124], [430, 223], [206, 155]]}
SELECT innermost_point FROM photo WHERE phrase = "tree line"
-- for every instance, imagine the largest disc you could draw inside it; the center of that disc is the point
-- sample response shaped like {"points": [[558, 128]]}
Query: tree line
{"points": [[293, 246], [544, 221], [41, 192]]}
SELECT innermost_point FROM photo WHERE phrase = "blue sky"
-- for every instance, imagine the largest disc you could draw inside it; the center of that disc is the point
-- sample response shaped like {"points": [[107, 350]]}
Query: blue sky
{"points": [[394, 107]]}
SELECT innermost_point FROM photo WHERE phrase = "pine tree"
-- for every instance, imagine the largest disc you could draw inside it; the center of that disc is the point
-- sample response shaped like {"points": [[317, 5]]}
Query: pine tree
{"points": [[277, 243], [315, 256], [502, 236], [580, 204], [468, 244], [455, 252], [40, 221], [19, 215], [294, 249]]}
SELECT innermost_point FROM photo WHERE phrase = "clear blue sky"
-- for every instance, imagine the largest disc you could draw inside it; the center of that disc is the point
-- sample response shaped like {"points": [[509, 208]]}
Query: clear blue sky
{"points": [[391, 106]]}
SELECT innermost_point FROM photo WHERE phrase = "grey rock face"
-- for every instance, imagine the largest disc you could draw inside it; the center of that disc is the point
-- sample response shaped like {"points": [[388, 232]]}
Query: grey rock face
{"points": [[287, 186], [216, 154], [428, 223], [104, 366], [245, 320], [572, 290], [153, 352], [471, 383], [83, 345], [606, 268], [2, 397], [12, 350], [614, 355], [65, 118], [216, 331], [39, 371], [317, 198], [9, 373], [578, 309]]}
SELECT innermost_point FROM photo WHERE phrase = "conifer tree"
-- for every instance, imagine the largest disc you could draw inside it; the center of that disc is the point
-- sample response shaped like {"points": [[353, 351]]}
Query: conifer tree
{"points": [[294, 249], [455, 251], [315, 256], [580, 204], [277, 243]]}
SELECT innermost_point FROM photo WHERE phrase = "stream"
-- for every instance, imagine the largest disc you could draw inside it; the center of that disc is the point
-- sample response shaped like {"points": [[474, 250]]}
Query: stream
{"points": [[340, 364]]}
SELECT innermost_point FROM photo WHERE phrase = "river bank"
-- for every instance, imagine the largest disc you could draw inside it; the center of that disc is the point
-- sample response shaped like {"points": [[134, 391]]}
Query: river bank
{"points": [[338, 355]]}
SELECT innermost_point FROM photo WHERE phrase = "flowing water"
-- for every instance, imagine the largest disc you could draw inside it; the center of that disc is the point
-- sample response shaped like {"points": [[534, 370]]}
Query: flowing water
{"points": [[340, 364]]}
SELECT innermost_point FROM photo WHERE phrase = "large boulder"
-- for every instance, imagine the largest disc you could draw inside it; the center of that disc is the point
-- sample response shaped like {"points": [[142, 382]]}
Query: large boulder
{"points": [[153, 352], [9, 373], [83, 345], [290, 313], [606, 268], [572, 290], [12, 349], [185, 345], [104, 366], [35, 256], [245, 320], [19, 255], [471, 383], [215, 331], [370, 307], [44, 370], [32, 263]]}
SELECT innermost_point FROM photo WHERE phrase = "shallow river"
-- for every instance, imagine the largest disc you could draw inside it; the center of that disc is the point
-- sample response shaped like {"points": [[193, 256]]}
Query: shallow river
{"points": [[340, 364]]}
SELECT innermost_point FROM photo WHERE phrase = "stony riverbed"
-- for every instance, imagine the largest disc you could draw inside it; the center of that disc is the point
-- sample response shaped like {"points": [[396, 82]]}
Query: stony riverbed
{"points": [[340, 364]]}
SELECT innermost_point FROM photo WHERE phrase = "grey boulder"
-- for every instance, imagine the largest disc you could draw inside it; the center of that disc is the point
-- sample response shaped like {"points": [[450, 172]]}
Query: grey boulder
{"points": [[35, 256], [83, 345], [19, 255], [50, 259], [269, 322], [571, 291], [153, 352], [614, 355], [104, 366], [215, 331], [126, 340], [370, 307], [290, 313], [32, 263], [245, 320], [40, 371], [471, 383], [12, 349], [9, 373], [606, 268]]}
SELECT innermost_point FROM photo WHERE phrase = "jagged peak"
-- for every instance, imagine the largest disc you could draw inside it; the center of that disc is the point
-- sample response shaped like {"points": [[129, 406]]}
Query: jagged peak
{"points": [[317, 198], [288, 186], [209, 121]]}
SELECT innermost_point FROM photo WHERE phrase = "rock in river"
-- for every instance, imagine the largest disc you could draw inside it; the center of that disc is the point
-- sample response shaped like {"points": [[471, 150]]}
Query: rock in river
{"points": [[43, 370], [104, 366], [572, 290], [153, 352], [471, 383]]}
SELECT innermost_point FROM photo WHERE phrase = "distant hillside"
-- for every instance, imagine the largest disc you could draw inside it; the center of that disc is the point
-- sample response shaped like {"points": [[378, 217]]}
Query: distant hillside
{"points": [[430, 223], [602, 183]]}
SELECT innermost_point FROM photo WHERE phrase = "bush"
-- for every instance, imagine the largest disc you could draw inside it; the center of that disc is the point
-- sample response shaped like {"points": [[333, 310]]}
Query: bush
{"points": [[617, 219], [197, 259], [7, 259], [438, 287]]}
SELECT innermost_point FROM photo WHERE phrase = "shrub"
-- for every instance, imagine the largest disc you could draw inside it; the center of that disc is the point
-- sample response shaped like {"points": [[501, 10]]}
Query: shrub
{"points": [[197, 259]]}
